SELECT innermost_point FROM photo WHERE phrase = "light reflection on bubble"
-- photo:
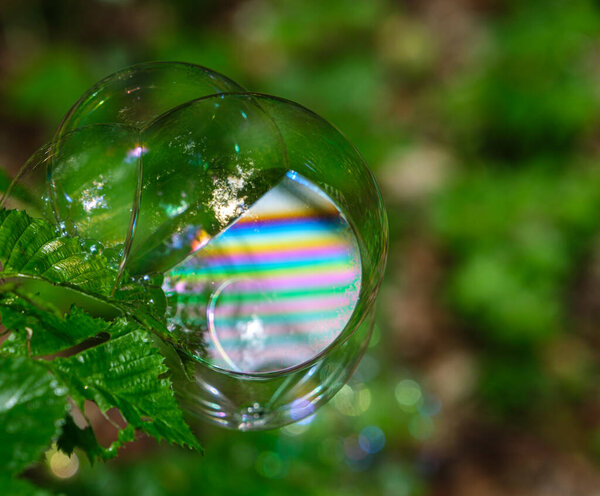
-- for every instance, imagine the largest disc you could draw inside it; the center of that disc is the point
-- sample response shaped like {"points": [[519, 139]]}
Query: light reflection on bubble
{"points": [[276, 287], [300, 426], [308, 420], [295, 429], [375, 337], [135, 153], [301, 408]]}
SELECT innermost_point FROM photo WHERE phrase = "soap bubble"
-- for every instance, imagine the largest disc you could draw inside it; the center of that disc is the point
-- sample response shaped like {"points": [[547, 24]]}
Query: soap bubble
{"points": [[262, 220]]}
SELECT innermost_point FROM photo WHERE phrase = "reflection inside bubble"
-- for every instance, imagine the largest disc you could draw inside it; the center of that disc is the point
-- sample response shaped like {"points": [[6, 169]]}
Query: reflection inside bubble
{"points": [[275, 288]]}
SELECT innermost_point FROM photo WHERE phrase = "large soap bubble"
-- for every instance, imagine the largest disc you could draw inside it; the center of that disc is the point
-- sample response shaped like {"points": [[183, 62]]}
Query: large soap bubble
{"points": [[264, 221]]}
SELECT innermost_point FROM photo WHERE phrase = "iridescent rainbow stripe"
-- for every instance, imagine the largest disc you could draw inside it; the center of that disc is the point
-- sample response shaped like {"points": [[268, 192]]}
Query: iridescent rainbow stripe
{"points": [[277, 286]]}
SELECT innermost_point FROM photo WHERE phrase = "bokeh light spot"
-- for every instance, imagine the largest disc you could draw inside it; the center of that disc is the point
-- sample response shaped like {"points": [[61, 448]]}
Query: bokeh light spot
{"points": [[352, 402], [408, 394], [371, 439], [62, 465], [270, 465]]}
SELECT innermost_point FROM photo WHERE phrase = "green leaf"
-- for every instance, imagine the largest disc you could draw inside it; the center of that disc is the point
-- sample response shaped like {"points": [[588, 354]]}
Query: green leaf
{"points": [[127, 373], [50, 332], [19, 487], [32, 409], [144, 297], [33, 247], [73, 437]]}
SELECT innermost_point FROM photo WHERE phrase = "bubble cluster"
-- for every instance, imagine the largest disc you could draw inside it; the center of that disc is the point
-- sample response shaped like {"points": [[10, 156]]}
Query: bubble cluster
{"points": [[262, 219]]}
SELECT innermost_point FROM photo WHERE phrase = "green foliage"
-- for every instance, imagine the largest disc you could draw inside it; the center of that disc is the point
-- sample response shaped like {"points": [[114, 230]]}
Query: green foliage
{"points": [[20, 487], [533, 94], [516, 238], [515, 247], [515, 385], [125, 373], [144, 297], [32, 411], [58, 72], [494, 85], [50, 331], [72, 437], [33, 248], [113, 363]]}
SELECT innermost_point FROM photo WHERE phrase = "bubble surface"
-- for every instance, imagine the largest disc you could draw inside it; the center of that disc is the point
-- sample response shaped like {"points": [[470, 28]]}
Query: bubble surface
{"points": [[276, 288]]}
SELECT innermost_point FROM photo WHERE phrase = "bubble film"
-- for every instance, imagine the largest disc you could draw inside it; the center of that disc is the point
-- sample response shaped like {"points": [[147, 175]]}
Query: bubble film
{"points": [[275, 288], [264, 221]]}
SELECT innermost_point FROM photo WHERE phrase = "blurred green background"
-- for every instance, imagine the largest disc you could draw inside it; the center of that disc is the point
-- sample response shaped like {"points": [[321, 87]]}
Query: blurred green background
{"points": [[480, 120]]}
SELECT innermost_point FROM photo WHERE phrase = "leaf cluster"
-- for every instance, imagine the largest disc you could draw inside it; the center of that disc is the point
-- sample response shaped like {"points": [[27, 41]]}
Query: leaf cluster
{"points": [[55, 360]]}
